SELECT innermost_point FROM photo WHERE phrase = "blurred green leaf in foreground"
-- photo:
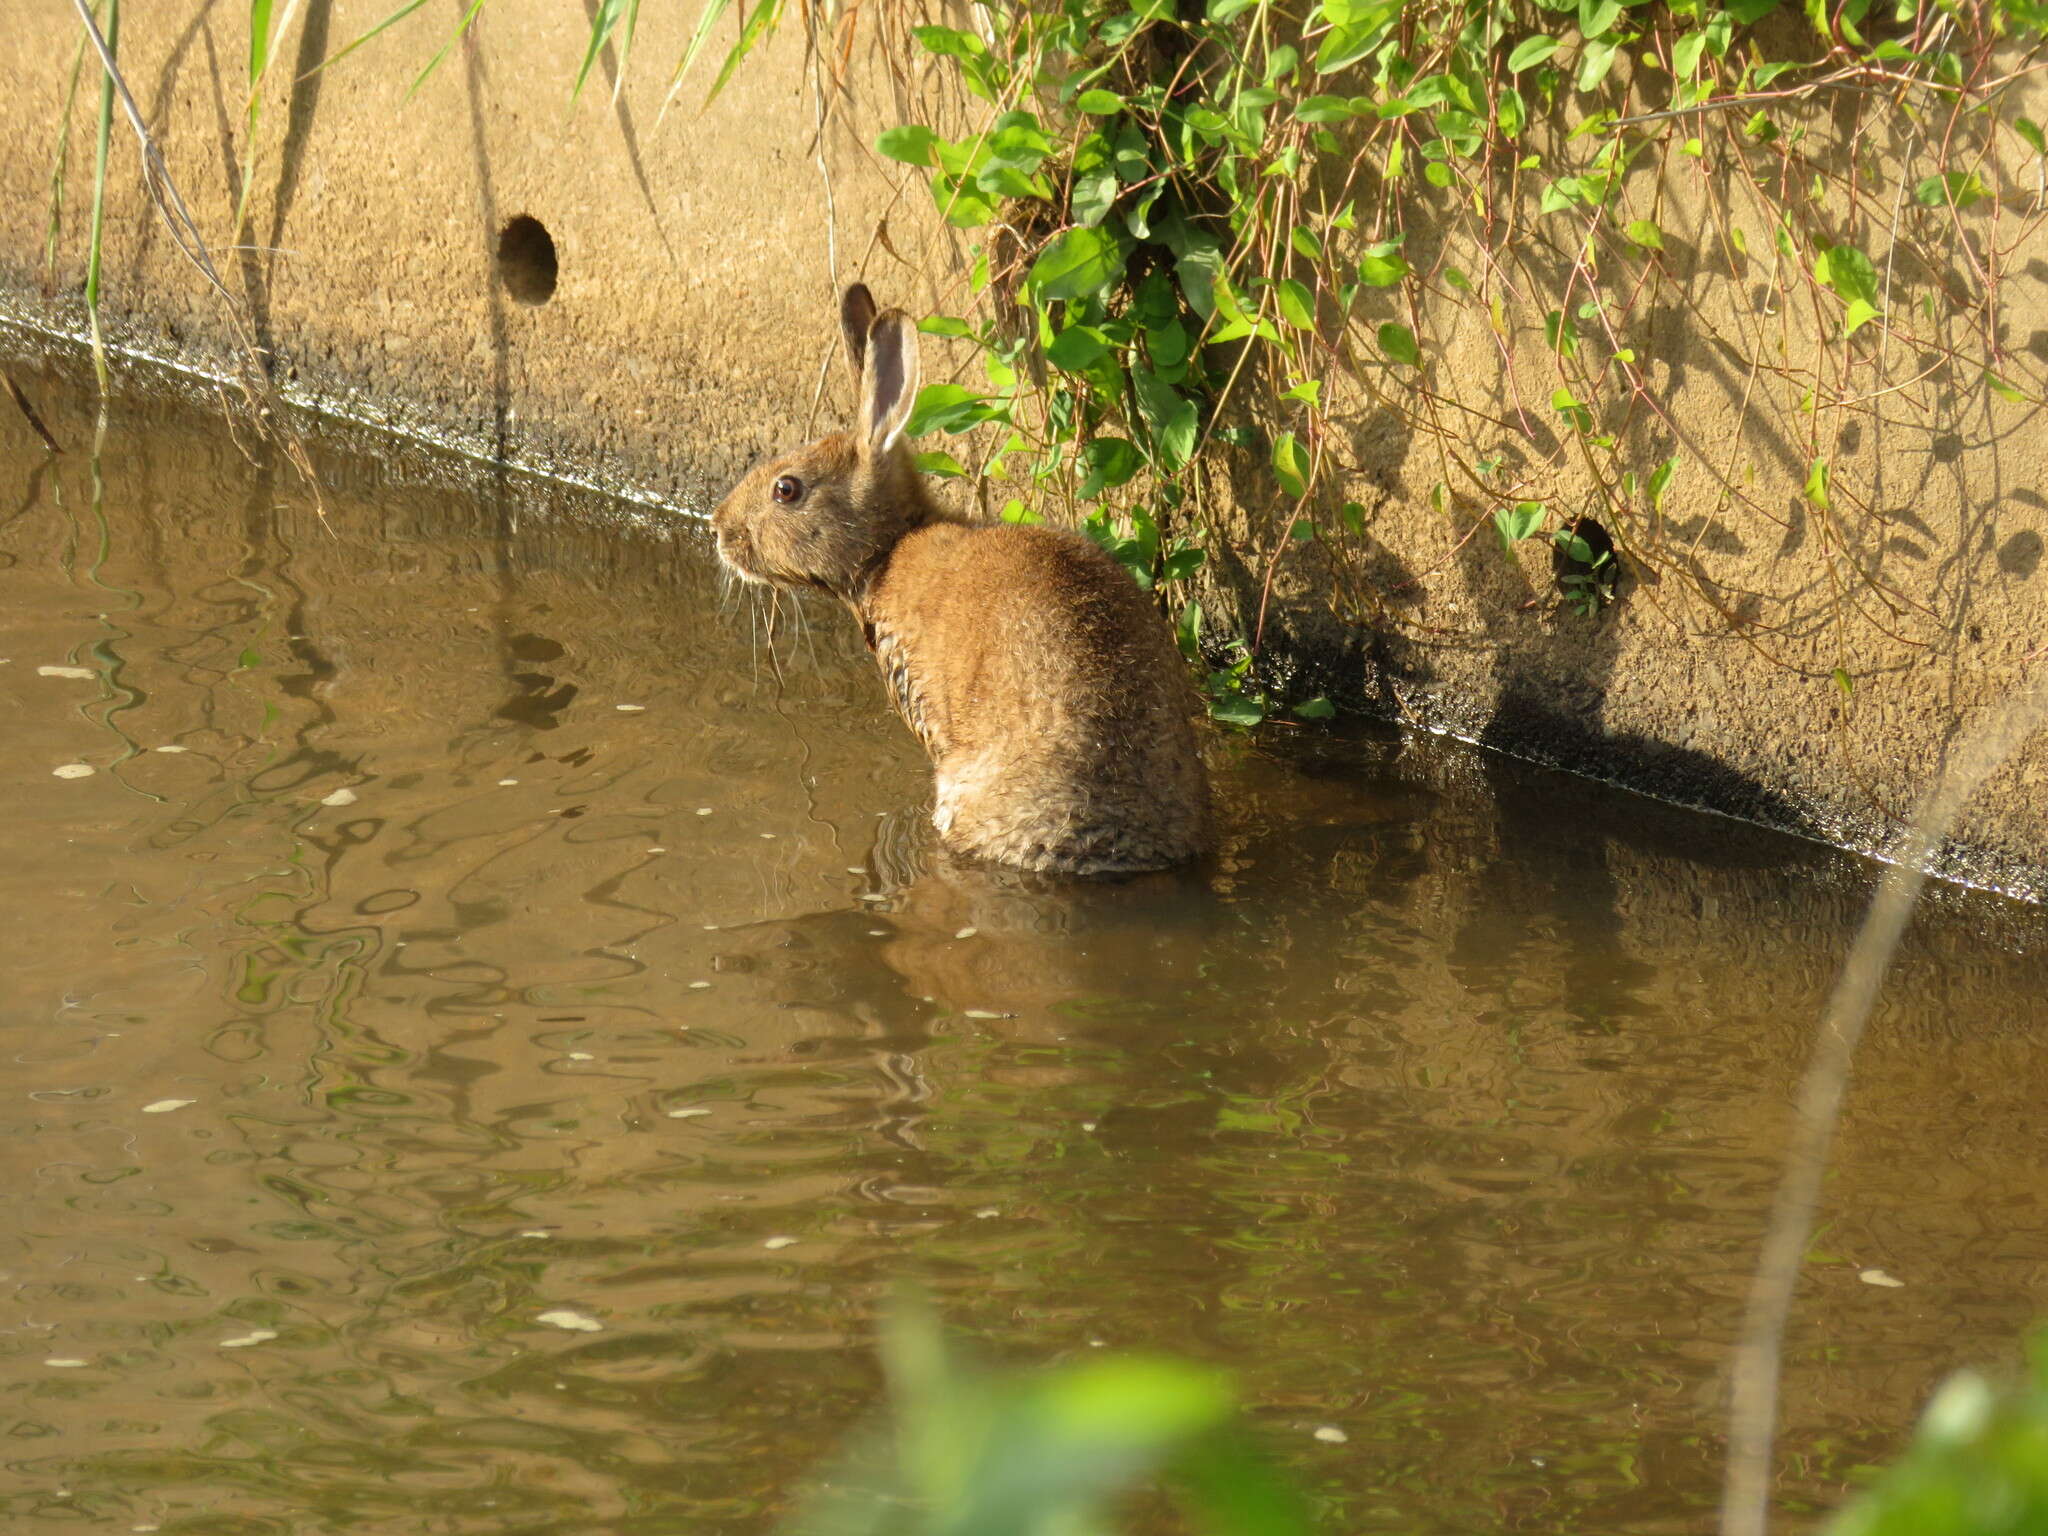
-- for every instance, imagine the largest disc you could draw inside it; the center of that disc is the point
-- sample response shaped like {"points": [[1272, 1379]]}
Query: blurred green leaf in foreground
{"points": [[1977, 1467], [1047, 1453]]}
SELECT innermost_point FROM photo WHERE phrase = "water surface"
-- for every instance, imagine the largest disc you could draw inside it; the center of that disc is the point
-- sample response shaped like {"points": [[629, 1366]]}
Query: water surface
{"points": [[476, 921]]}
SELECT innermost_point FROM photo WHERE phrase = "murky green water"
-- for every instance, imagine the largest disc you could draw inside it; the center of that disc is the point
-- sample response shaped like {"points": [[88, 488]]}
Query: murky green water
{"points": [[473, 924]]}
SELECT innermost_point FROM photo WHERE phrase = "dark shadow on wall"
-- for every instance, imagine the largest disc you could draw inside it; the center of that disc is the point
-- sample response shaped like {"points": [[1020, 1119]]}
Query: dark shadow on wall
{"points": [[1553, 713], [487, 208], [300, 107], [628, 135]]}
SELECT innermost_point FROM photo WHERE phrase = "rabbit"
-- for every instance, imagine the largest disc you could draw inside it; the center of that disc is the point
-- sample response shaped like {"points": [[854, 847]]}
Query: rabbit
{"points": [[1045, 686]]}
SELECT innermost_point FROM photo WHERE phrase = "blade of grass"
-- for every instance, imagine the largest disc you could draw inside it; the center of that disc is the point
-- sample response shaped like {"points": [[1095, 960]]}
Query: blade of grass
{"points": [[602, 20], [62, 159], [706, 20], [259, 60], [396, 16], [435, 62], [259, 393], [626, 48], [263, 41], [759, 23], [99, 197]]}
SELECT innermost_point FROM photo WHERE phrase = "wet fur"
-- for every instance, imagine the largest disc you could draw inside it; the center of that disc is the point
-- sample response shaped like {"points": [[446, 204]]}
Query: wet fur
{"points": [[1043, 683]]}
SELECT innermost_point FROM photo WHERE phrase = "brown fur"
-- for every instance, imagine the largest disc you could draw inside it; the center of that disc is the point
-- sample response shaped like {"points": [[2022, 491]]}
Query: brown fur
{"points": [[1042, 682]]}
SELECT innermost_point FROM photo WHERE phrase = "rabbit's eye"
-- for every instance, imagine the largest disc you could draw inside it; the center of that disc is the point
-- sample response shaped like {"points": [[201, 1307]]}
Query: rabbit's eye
{"points": [[788, 490]]}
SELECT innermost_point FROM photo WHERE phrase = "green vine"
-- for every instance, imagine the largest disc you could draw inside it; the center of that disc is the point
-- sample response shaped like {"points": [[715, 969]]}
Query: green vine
{"points": [[1239, 226]]}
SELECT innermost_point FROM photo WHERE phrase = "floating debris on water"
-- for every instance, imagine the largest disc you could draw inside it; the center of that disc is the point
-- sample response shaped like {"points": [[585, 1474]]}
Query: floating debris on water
{"points": [[74, 771], [165, 1106], [253, 1336], [339, 797], [1879, 1277], [574, 1322], [780, 1242], [1330, 1434], [172, 747], [630, 709], [687, 1114], [66, 1364], [83, 673]]}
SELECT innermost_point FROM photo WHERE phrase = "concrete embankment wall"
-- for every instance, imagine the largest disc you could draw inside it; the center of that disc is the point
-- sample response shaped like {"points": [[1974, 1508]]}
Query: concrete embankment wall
{"points": [[689, 327]]}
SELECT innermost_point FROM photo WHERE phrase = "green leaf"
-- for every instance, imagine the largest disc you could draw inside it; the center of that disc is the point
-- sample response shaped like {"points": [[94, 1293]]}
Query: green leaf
{"points": [[1816, 487], [1531, 51], [1597, 17], [1685, 54], [1382, 266], [1297, 304], [1305, 243], [1348, 42], [1961, 188], [1111, 462], [939, 462], [1660, 477], [952, 408], [1290, 465], [1099, 103], [961, 202], [1317, 708], [2030, 130], [1187, 633], [1077, 348], [1561, 333], [1856, 316], [1513, 524], [1568, 405], [1646, 234], [1849, 273], [1398, 343], [2004, 390], [1094, 194], [1237, 709], [944, 325], [1323, 109], [1844, 682], [1310, 393], [1079, 264], [1173, 418], [1594, 63]]}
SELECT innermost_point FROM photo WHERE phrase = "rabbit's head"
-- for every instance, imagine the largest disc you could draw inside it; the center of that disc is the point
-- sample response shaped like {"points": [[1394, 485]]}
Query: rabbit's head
{"points": [[827, 515]]}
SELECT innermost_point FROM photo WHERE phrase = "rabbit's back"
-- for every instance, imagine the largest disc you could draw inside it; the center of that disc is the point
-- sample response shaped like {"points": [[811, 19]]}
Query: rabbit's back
{"points": [[1050, 694]]}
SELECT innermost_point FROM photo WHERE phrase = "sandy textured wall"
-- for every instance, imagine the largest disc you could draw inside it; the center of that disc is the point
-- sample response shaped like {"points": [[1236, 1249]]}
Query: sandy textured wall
{"points": [[690, 329]]}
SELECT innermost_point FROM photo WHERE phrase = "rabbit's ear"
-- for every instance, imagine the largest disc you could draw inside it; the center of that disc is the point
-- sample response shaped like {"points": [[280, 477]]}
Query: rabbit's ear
{"points": [[888, 382], [856, 315]]}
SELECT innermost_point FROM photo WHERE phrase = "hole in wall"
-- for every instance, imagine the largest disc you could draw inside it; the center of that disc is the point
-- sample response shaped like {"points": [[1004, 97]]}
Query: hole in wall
{"points": [[1583, 561], [526, 259]]}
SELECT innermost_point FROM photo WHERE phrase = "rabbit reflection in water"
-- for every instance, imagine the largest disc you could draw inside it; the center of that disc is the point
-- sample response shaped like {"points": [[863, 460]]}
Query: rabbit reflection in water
{"points": [[1044, 684]]}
